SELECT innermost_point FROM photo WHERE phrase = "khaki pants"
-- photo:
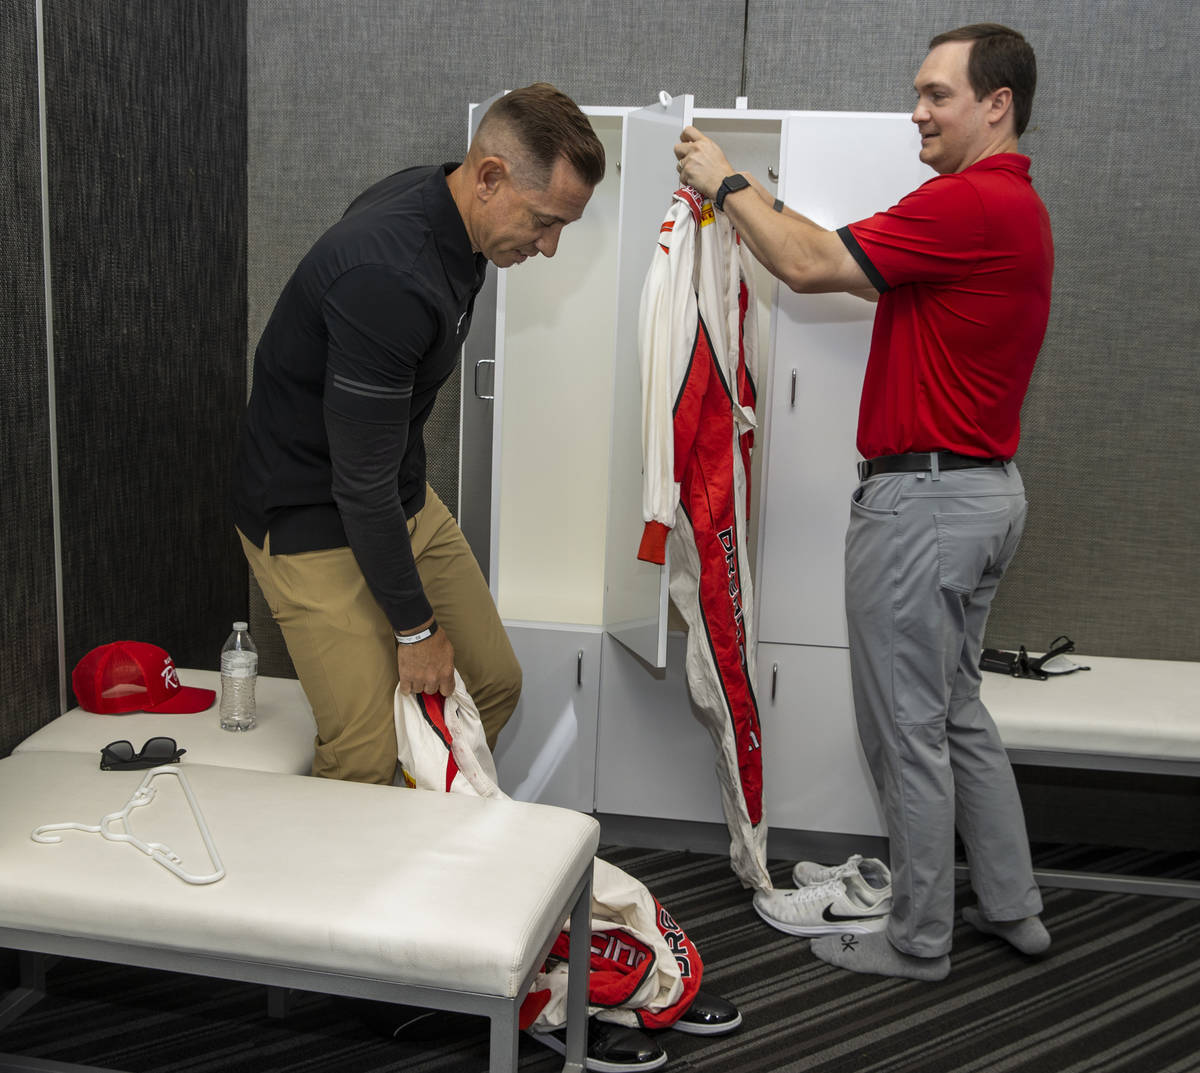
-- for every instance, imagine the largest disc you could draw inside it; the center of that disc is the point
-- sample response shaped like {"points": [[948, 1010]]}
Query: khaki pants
{"points": [[342, 646]]}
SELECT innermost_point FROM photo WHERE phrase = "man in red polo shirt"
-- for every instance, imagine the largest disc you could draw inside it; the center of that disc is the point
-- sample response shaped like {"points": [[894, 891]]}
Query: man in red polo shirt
{"points": [[961, 269]]}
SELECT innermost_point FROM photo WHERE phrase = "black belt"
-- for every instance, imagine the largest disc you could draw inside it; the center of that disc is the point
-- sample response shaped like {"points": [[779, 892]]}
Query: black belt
{"points": [[924, 462]]}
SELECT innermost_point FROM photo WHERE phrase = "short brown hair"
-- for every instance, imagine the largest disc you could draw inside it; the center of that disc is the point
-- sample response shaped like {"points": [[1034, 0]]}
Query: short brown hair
{"points": [[999, 58], [545, 124]]}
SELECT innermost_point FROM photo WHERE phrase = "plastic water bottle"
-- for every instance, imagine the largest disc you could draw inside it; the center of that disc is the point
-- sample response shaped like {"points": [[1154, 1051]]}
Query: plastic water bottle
{"points": [[239, 672]]}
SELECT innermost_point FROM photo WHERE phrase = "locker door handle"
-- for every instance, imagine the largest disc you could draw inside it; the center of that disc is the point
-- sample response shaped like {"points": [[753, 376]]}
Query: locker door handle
{"points": [[579, 669], [485, 361], [774, 678], [793, 388]]}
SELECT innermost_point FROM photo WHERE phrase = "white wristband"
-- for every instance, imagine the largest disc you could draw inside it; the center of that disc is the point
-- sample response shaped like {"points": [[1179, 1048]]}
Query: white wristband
{"points": [[422, 635]]}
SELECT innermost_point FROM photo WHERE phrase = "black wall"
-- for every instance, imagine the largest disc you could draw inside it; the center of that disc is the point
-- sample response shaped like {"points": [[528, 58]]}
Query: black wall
{"points": [[146, 163], [28, 617]]}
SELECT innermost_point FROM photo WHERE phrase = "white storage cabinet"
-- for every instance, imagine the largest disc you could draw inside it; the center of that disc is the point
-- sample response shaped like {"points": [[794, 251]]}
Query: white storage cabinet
{"points": [[605, 722]]}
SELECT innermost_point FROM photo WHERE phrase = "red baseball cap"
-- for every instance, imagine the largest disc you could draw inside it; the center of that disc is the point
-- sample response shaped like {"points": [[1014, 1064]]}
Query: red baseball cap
{"points": [[132, 676]]}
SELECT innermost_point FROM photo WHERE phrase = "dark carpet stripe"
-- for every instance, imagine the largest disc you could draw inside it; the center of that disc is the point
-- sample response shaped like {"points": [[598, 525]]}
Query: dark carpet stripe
{"points": [[1116, 994]]}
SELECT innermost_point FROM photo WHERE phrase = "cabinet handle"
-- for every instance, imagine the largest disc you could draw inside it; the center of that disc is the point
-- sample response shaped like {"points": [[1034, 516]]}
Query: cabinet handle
{"points": [[793, 388], [774, 678], [485, 361], [579, 669]]}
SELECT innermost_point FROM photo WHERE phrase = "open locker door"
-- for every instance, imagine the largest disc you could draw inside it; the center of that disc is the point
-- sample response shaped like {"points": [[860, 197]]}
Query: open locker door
{"points": [[635, 593]]}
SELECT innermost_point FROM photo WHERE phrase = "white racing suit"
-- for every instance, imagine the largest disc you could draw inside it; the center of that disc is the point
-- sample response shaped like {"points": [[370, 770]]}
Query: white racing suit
{"points": [[645, 971], [697, 347]]}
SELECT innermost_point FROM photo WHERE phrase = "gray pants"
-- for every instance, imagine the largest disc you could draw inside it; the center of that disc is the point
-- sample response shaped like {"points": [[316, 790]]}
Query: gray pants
{"points": [[924, 558]]}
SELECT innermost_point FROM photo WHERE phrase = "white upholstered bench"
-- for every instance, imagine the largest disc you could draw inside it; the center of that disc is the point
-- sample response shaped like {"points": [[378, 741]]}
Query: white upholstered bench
{"points": [[281, 741], [375, 892], [1135, 715]]}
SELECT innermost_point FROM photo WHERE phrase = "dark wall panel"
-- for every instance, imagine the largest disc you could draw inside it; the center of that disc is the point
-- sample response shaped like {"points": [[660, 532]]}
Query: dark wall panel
{"points": [[1109, 426], [147, 151], [28, 621]]}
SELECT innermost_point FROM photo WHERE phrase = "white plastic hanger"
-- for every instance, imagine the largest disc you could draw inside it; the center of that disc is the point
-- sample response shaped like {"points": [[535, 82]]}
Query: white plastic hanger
{"points": [[156, 851]]}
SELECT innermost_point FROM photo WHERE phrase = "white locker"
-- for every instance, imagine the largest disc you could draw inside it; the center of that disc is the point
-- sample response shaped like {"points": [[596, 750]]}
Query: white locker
{"points": [[652, 757], [836, 168], [814, 772], [566, 478], [547, 752]]}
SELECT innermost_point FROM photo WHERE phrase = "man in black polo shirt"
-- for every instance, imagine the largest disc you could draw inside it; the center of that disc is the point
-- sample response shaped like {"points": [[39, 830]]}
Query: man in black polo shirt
{"points": [[363, 567]]}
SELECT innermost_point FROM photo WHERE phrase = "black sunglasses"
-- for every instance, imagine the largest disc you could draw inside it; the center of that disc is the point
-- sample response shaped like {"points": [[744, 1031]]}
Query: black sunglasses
{"points": [[1032, 668], [121, 756], [1019, 665]]}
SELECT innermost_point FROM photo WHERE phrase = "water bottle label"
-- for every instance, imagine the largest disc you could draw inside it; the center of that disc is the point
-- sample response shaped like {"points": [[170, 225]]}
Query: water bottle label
{"points": [[239, 664]]}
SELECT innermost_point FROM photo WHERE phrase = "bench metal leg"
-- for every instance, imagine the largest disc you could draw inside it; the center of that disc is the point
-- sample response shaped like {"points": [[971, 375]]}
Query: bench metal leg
{"points": [[33, 969], [30, 992], [578, 969], [503, 1058], [15, 1003], [278, 1001]]}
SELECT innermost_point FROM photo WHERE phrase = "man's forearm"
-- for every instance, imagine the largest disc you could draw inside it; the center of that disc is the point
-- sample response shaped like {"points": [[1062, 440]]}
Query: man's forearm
{"points": [[365, 461], [780, 241], [802, 254]]}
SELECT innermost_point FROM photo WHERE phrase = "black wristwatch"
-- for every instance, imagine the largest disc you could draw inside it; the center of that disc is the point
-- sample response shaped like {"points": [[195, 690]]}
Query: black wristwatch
{"points": [[731, 184]]}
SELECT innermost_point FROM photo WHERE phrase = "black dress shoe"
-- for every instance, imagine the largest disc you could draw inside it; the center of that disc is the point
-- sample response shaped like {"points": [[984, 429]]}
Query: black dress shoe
{"points": [[708, 1015], [610, 1048]]}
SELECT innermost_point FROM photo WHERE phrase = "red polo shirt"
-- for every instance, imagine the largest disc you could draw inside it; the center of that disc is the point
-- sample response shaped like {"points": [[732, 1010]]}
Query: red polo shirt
{"points": [[963, 265]]}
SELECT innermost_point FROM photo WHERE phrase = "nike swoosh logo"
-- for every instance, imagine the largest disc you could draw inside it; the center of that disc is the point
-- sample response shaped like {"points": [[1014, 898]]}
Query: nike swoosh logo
{"points": [[836, 918]]}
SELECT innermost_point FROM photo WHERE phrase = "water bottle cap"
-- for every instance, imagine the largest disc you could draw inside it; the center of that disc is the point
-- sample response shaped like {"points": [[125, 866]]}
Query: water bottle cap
{"points": [[241, 626]]}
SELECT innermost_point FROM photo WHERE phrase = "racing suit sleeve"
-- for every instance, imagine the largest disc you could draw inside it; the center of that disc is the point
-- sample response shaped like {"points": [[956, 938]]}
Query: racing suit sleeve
{"points": [[379, 327], [668, 328]]}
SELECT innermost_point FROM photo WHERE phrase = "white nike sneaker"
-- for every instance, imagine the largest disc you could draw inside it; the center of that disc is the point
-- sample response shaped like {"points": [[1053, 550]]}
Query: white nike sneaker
{"points": [[821, 910], [873, 872]]}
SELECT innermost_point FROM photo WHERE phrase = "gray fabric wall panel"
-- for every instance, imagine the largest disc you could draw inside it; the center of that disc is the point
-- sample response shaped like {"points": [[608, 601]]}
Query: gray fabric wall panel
{"points": [[1109, 427], [29, 679], [343, 94], [146, 114]]}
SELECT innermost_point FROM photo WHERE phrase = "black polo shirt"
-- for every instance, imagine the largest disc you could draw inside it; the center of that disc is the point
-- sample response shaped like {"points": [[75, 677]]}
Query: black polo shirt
{"points": [[367, 329]]}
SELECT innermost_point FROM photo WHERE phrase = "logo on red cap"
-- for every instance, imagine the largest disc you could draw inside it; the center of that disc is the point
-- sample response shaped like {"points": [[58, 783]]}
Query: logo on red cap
{"points": [[133, 676]]}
